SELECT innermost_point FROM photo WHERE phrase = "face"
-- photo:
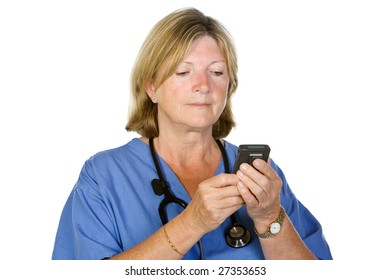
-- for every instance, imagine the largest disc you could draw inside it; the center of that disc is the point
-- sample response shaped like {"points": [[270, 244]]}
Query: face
{"points": [[195, 95]]}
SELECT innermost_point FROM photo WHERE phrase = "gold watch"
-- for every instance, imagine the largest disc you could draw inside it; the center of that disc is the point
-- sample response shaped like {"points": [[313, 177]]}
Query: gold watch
{"points": [[274, 227]]}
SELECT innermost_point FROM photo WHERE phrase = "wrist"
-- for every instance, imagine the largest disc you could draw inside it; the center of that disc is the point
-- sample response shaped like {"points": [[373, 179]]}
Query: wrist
{"points": [[192, 227], [272, 228], [262, 224]]}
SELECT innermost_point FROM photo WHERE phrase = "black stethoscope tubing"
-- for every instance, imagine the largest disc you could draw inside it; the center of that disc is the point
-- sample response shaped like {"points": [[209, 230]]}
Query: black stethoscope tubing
{"points": [[237, 236]]}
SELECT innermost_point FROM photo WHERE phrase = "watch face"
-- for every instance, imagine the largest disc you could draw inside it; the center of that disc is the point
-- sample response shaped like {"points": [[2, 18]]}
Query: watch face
{"points": [[274, 228]]}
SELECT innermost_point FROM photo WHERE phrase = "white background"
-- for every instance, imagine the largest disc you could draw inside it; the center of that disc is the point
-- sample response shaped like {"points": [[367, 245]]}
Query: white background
{"points": [[314, 80]]}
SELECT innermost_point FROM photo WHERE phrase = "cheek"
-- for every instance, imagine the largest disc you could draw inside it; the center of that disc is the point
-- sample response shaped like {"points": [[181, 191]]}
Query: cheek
{"points": [[169, 101], [223, 93], [222, 86]]}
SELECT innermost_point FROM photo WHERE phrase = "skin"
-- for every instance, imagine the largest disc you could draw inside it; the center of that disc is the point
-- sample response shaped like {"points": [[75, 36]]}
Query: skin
{"points": [[189, 103]]}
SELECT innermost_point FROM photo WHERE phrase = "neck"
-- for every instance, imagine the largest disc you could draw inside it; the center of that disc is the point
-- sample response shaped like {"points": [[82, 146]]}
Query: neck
{"points": [[188, 149]]}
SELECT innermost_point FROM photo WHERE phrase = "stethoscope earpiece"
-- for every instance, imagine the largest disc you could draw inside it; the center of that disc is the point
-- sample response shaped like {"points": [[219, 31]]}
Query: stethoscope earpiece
{"points": [[237, 236]]}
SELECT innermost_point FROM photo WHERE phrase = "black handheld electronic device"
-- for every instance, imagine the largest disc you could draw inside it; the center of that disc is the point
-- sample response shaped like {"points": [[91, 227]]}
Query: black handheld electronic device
{"points": [[248, 153]]}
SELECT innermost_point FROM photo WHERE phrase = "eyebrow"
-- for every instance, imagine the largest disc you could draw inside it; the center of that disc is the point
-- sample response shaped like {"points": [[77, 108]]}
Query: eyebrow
{"points": [[213, 62]]}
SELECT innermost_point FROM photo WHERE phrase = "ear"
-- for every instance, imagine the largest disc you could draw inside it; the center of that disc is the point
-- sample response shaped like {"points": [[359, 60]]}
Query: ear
{"points": [[151, 91]]}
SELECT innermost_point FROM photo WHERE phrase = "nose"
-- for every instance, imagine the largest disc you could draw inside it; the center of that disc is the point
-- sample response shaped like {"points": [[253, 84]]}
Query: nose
{"points": [[201, 83]]}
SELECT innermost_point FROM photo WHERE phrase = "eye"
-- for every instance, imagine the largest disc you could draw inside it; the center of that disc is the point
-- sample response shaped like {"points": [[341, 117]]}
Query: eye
{"points": [[218, 73], [182, 73]]}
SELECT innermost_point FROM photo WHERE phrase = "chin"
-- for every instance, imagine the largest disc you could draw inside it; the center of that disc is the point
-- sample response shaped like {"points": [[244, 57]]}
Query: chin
{"points": [[200, 121], [201, 125]]}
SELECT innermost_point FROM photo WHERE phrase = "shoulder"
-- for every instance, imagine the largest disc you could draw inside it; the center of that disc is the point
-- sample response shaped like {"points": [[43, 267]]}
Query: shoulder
{"points": [[115, 162], [134, 148]]}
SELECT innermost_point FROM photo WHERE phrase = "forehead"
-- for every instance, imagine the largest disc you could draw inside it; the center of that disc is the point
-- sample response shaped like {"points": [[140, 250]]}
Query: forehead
{"points": [[205, 47]]}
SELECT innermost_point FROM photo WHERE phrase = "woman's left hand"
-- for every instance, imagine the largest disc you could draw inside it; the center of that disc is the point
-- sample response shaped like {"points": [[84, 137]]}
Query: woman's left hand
{"points": [[260, 187]]}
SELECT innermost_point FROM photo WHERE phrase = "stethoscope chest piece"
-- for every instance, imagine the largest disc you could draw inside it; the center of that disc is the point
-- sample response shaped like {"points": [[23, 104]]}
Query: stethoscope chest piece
{"points": [[237, 236]]}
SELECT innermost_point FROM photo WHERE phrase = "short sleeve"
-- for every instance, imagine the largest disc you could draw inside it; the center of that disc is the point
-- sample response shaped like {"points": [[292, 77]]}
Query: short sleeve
{"points": [[307, 226], [86, 229]]}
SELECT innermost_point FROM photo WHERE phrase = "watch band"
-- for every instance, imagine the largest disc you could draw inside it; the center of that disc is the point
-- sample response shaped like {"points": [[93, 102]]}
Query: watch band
{"points": [[278, 221]]}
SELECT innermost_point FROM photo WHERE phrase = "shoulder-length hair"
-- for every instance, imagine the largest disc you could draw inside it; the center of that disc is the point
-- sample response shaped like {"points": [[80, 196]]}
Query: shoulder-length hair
{"points": [[163, 50]]}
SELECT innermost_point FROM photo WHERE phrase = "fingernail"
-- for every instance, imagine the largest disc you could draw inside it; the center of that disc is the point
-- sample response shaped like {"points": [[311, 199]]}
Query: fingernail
{"points": [[240, 174], [244, 166]]}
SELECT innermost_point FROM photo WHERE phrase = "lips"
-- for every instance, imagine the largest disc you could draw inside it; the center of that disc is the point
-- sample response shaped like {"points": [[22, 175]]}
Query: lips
{"points": [[199, 104]]}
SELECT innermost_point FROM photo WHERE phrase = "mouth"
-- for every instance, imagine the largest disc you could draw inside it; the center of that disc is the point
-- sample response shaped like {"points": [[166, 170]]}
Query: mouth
{"points": [[199, 104]]}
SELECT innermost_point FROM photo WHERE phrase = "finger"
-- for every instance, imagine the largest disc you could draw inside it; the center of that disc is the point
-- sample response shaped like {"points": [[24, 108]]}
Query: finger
{"points": [[210, 192], [221, 180], [229, 191], [224, 213], [223, 197], [270, 173], [216, 211], [256, 188], [264, 168], [218, 197], [253, 174], [253, 178], [229, 202], [248, 197], [233, 209]]}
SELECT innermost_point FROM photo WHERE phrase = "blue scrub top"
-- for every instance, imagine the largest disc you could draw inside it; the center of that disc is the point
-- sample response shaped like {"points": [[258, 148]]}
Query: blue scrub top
{"points": [[113, 207]]}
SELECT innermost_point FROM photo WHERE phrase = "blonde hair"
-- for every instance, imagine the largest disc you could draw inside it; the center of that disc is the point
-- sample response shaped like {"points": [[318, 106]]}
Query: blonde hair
{"points": [[167, 45]]}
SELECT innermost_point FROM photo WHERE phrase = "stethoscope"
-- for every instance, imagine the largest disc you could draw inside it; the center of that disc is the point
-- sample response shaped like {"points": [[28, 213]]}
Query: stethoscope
{"points": [[237, 236]]}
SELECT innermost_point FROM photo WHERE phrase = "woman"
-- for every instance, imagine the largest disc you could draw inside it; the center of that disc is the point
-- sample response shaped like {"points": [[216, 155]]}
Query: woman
{"points": [[182, 84]]}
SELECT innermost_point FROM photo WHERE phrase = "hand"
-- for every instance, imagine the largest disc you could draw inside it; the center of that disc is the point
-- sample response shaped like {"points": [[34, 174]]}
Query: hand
{"points": [[260, 188], [215, 199]]}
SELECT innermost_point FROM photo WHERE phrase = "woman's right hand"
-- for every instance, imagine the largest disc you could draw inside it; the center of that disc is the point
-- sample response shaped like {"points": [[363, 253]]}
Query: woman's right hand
{"points": [[215, 199]]}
